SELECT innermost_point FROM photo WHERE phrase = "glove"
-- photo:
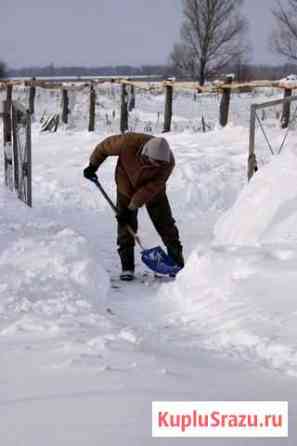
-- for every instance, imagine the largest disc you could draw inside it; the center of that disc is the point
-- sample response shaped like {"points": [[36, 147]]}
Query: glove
{"points": [[125, 217], [90, 172]]}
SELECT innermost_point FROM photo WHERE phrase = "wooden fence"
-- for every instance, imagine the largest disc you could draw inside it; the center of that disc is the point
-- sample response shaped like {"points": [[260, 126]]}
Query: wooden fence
{"points": [[129, 88]]}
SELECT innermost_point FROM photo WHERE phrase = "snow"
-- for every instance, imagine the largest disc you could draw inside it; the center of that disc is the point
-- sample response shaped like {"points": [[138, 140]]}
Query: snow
{"points": [[83, 356], [267, 206]]}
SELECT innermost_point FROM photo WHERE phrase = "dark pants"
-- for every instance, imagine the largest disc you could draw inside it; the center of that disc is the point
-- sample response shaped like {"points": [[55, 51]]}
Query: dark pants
{"points": [[161, 216]]}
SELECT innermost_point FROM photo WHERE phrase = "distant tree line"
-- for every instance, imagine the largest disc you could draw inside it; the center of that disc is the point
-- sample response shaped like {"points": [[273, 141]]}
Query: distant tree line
{"points": [[243, 72], [250, 72], [117, 70]]}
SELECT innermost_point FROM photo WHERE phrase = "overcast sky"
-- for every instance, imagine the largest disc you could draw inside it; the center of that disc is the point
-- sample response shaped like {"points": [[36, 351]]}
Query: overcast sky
{"points": [[106, 32]]}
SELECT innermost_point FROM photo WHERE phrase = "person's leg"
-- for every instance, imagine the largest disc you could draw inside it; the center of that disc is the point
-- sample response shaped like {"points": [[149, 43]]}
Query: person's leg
{"points": [[160, 213], [125, 240]]}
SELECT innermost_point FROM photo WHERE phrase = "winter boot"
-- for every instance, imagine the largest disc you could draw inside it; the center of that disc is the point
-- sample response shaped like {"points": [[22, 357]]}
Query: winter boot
{"points": [[176, 253], [128, 263], [127, 276]]}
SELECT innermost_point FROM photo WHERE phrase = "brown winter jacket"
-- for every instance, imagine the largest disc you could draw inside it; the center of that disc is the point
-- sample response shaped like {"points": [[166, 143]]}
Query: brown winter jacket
{"points": [[134, 177]]}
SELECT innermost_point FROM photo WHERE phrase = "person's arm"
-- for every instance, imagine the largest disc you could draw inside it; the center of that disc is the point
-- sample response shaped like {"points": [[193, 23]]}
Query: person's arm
{"points": [[110, 146]]}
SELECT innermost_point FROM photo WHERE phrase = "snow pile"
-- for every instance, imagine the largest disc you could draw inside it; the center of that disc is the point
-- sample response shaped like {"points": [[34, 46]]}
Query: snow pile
{"points": [[47, 273], [266, 209], [239, 303], [239, 297]]}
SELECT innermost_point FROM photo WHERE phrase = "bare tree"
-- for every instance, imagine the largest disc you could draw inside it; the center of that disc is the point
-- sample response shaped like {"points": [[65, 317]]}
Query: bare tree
{"points": [[284, 35], [213, 35]]}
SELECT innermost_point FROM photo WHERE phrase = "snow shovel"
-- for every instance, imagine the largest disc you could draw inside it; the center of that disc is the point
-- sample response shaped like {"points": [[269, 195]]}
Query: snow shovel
{"points": [[155, 258]]}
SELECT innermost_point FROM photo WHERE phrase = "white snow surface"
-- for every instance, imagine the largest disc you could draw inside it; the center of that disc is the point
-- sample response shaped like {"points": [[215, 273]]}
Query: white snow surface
{"points": [[83, 356], [265, 210]]}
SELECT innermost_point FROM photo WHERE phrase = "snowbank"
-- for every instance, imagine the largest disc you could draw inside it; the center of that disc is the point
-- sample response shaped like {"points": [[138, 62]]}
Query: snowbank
{"points": [[266, 209], [239, 296], [239, 303], [47, 271]]}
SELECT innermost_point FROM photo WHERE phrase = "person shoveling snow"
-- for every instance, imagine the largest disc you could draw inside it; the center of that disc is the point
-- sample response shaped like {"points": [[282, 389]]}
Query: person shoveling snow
{"points": [[144, 165]]}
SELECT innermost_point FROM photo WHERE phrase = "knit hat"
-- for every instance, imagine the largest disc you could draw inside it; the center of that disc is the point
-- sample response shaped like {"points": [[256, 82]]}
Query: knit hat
{"points": [[157, 149]]}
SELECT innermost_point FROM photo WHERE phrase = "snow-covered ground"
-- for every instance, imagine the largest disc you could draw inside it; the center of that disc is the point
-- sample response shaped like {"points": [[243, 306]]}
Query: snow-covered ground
{"points": [[82, 358]]}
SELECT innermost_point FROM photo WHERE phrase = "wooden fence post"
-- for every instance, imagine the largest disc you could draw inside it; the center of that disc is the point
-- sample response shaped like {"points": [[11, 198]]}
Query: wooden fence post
{"points": [[15, 142], [124, 109], [7, 143], [92, 108], [203, 124], [29, 159], [65, 103], [8, 125], [132, 98], [225, 103], [252, 161], [286, 109], [168, 108], [32, 93], [7, 139]]}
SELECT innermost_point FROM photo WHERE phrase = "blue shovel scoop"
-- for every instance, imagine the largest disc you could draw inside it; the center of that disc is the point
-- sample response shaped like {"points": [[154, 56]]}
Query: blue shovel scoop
{"points": [[154, 258]]}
